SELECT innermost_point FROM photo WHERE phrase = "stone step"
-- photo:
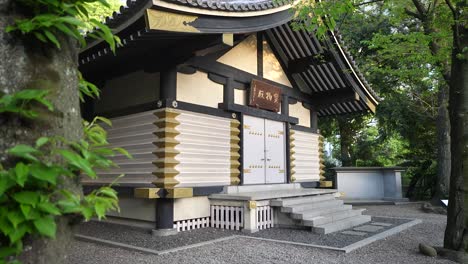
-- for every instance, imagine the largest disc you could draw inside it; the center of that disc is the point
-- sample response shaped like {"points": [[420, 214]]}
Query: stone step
{"points": [[319, 212], [341, 224], [297, 208], [330, 218], [303, 199]]}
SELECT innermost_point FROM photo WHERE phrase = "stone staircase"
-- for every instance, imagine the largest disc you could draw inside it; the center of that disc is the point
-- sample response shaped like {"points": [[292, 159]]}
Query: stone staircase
{"points": [[323, 213]]}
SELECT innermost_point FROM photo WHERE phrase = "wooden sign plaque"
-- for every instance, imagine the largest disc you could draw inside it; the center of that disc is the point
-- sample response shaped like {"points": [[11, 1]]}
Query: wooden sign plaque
{"points": [[265, 96]]}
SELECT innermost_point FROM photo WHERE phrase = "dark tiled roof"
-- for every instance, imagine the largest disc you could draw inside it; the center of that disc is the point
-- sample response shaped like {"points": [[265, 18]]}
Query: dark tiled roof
{"points": [[232, 5], [327, 76], [355, 66], [126, 11]]}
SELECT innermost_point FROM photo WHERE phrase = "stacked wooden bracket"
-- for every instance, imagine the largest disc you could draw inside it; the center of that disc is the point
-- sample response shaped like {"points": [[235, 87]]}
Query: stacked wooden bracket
{"points": [[235, 147], [291, 154], [323, 182], [166, 153], [166, 161]]}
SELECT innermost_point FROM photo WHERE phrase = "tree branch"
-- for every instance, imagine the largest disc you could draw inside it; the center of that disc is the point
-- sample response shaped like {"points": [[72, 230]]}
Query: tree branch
{"points": [[452, 8], [369, 2], [413, 14], [420, 7]]}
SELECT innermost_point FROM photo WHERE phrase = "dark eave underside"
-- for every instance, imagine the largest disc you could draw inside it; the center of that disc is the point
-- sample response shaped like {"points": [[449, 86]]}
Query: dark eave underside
{"points": [[326, 71]]}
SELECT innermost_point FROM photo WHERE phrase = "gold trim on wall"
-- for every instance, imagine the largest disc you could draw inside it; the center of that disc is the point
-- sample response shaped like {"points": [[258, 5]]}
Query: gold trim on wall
{"points": [[179, 192], [166, 153], [235, 155], [168, 21], [321, 159], [147, 193], [291, 153]]}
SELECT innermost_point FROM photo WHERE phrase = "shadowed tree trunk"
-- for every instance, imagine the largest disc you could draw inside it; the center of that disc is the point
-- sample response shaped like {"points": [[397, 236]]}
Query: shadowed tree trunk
{"points": [[456, 233], [346, 140], [426, 13], [443, 146], [27, 63]]}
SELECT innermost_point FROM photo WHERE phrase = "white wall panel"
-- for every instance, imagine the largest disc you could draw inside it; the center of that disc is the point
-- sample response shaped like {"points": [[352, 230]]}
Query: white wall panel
{"points": [[198, 89], [306, 156], [302, 113], [243, 56], [205, 150]]}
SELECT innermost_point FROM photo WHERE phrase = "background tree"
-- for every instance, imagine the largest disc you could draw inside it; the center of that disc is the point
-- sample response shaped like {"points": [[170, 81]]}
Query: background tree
{"points": [[423, 50]]}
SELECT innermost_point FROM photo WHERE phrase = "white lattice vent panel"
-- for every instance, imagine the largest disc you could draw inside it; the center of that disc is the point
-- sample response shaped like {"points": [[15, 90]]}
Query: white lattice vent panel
{"points": [[264, 217], [185, 225], [306, 156], [205, 150], [227, 217]]}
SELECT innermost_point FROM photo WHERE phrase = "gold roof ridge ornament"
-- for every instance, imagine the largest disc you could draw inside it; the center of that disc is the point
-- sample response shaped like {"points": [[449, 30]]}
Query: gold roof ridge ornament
{"points": [[168, 21]]}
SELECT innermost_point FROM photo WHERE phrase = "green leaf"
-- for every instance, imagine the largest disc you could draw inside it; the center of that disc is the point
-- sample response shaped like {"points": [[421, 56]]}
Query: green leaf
{"points": [[101, 209], [31, 94], [41, 141], [44, 173], [46, 226], [124, 152], [52, 38], [78, 162], [48, 208], [21, 173], [18, 233], [26, 197], [108, 192], [102, 119], [87, 212], [23, 151], [7, 251], [5, 182], [26, 210], [72, 20], [40, 36], [15, 217]]}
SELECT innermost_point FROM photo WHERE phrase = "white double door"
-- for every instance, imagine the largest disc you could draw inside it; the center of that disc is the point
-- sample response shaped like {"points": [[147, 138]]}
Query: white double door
{"points": [[264, 156]]}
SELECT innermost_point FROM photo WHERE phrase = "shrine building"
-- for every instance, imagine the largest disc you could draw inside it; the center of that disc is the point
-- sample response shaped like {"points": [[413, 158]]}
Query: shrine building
{"points": [[218, 102]]}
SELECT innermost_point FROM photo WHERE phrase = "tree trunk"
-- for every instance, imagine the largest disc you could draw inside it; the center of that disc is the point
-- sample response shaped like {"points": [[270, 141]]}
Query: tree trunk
{"points": [[456, 232], [345, 142], [27, 63], [443, 146]]}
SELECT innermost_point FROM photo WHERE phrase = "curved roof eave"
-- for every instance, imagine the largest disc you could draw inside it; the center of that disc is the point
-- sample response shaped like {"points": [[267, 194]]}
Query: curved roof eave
{"points": [[217, 8], [355, 71]]}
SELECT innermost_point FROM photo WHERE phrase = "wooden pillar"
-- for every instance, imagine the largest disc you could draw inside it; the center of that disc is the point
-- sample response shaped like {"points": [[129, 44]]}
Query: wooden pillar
{"points": [[285, 105], [228, 92], [313, 120], [168, 81], [260, 54], [164, 218]]}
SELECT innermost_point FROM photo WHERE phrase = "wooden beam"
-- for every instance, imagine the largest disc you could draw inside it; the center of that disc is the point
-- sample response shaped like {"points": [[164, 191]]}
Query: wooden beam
{"points": [[325, 99], [179, 192], [147, 193], [301, 64]]}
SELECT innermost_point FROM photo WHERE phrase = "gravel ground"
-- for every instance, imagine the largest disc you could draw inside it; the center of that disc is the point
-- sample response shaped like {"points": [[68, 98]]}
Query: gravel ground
{"points": [[399, 248], [142, 238]]}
